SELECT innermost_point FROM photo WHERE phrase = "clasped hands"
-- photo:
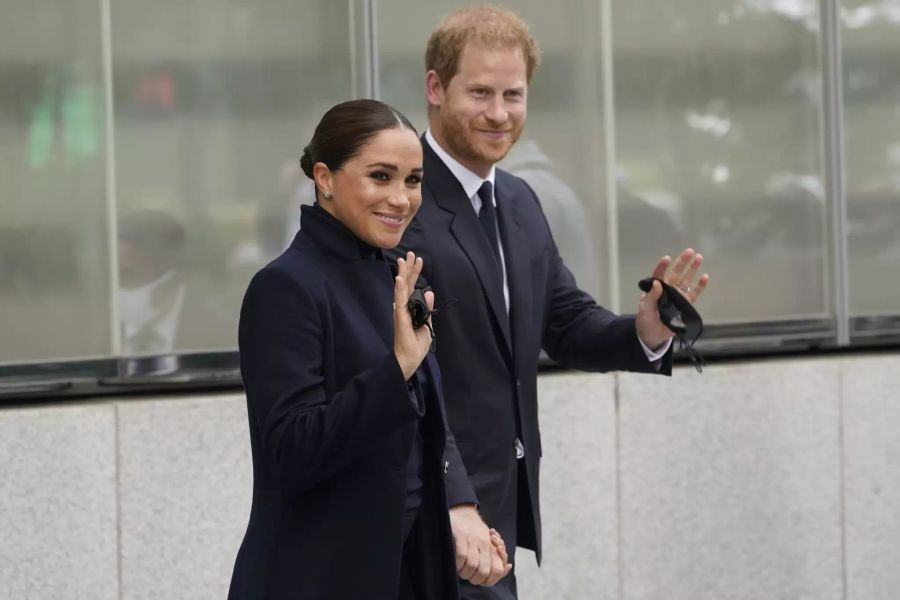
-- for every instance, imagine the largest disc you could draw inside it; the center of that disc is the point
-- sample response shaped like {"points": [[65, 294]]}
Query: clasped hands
{"points": [[680, 274], [481, 557]]}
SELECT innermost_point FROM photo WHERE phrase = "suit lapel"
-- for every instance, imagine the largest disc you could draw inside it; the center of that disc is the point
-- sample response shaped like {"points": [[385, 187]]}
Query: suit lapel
{"points": [[446, 191], [516, 255]]}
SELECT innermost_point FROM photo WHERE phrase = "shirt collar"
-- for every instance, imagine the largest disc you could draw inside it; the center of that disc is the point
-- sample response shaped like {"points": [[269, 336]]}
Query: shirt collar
{"points": [[469, 180]]}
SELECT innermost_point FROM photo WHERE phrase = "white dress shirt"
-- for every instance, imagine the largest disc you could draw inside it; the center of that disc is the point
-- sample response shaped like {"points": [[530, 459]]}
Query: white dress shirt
{"points": [[471, 183]]}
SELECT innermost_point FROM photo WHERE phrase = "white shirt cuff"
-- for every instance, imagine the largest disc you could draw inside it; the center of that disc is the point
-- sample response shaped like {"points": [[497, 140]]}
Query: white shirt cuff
{"points": [[655, 356]]}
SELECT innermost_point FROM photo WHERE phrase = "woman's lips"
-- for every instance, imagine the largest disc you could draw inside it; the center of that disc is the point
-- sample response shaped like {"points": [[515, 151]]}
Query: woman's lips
{"points": [[389, 219]]}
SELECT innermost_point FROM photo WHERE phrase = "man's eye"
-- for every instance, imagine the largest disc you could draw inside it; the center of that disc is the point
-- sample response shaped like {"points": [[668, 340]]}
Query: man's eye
{"points": [[380, 176]]}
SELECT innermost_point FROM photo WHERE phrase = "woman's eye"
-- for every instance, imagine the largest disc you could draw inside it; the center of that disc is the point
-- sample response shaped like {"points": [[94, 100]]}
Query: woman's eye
{"points": [[380, 176], [414, 180]]}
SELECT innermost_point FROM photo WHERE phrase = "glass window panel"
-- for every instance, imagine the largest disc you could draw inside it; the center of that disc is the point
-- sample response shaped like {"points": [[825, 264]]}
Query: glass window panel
{"points": [[871, 39], [54, 251], [560, 154], [214, 101], [718, 110]]}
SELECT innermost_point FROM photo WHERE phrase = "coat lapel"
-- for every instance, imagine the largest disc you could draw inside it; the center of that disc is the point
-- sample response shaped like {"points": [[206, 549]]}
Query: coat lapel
{"points": [[374, 274], [516, 254], [448, 193]]}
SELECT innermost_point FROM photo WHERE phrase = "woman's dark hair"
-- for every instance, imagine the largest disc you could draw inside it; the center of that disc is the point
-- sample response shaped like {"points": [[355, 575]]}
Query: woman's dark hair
{"points": [[345, 129]]}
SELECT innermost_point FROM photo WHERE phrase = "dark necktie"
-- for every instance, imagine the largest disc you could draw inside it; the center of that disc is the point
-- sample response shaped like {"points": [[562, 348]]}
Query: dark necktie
{"points": [[487, 216]]}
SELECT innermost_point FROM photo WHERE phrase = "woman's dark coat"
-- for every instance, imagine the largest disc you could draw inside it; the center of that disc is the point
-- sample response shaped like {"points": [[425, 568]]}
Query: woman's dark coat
{"points": [[331, 427]]}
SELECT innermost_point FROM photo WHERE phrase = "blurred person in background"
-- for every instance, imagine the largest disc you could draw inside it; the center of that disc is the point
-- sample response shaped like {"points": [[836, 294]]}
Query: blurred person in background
{"points": [[563, 208], [160, 311], [151, 288]]}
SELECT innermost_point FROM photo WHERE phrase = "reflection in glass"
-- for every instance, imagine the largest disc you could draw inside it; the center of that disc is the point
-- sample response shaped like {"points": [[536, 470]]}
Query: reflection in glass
{"points": [[54, 255], [566, 213], [718, 147], [213, 104], [872, 155]]}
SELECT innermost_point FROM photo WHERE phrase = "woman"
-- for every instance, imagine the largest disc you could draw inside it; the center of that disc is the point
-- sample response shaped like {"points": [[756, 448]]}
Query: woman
{"points": [[351, 453]]}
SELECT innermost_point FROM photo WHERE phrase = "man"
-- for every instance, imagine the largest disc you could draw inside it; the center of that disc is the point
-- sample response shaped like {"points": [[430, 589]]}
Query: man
{"points": [[486, 243]]}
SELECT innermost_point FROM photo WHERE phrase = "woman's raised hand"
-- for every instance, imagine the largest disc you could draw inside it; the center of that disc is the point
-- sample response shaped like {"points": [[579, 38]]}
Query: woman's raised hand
{"points": [[410, 345]]}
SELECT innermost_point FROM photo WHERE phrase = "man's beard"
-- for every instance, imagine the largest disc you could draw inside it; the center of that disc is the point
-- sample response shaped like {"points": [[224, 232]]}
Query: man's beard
{"points": [[459, 139]]}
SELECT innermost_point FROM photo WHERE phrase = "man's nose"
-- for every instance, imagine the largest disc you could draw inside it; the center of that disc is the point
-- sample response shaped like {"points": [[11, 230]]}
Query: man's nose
{"points": [[496, 111]]}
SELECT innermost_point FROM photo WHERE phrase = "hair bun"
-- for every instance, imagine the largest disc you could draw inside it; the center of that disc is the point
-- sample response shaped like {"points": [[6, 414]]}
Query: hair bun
{"points": [[306, 162]]}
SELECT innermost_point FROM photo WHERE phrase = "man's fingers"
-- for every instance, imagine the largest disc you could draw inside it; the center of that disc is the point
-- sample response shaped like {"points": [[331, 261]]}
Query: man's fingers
{"points": [[470, 567], [483, 572], [462, 550], [429, 300], [698, 289], [681, 264], [688, 277], [655, 293], [648, 302], [660, 271]]}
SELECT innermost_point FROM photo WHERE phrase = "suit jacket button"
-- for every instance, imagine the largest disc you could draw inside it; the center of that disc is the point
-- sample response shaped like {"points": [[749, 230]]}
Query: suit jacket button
{"points": [[520, 448]]}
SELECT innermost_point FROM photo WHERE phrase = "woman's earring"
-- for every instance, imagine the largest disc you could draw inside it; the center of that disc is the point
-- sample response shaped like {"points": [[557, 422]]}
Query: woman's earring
{"points": [[327, 195]]}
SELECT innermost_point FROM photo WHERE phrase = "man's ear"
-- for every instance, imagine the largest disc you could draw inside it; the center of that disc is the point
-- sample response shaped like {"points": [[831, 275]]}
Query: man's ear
{"points": [[323, 177], [434, 89]]}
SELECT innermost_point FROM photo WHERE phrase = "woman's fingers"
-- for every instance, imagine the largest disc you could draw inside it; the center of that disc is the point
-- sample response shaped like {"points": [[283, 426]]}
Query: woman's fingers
{"points": [[400, 291], [409, 263], [416, 268], [409, 269]]}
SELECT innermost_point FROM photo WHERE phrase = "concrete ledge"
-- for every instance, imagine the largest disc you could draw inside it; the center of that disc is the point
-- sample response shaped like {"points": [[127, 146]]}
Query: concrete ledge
{"points": [[578, 491], [58, 503], [770, 479], [871, 391], [186, 483], [730, 483]]}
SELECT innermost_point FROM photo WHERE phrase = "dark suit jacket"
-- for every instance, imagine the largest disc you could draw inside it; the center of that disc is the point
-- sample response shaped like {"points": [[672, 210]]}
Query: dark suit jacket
{"points": [[489, 360], [331, 426]]}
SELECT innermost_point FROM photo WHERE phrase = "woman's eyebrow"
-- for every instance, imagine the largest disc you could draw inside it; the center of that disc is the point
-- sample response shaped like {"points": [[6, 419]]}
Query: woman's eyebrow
{"points": [[384, 165]]}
